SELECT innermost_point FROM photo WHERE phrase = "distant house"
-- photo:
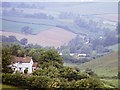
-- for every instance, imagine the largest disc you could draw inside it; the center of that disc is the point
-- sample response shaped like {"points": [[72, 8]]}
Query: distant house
{"points": [[60, 54], [82, 55], [22, 63], [71, 54]]}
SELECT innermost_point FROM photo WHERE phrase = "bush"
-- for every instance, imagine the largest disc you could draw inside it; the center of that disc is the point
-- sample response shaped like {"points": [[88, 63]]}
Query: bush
{"points": [[89, 83], [72, 74], [37, 82], [40, 82], [14, 79]]}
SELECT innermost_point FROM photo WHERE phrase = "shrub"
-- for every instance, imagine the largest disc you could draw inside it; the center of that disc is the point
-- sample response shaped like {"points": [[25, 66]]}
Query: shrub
{"points": [[40, 82], [89, 83], [14, 79], [37, 82]]}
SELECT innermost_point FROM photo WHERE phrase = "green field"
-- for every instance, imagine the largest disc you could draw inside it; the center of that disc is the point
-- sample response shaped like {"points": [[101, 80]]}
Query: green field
{"points": [[105, 66], [111, 82], [115, 47], [7, 87], [16, 27], [39, 25]]}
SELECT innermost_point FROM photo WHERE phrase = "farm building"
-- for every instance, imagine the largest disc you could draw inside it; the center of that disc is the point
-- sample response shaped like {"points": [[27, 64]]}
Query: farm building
{"points": [[22, 63]]}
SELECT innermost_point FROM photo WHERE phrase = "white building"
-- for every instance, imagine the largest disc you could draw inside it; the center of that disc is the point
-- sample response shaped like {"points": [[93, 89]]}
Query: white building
{"points": [[60, 54], [22, 63], [72, 54], [82, 55]]}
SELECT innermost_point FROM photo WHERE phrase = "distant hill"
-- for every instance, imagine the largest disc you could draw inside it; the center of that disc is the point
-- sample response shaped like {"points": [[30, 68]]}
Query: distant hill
{"points": [[52, 37]]}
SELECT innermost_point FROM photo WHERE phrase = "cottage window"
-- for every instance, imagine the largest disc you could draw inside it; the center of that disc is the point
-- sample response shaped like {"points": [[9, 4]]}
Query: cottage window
{"points": [[20, 68]]}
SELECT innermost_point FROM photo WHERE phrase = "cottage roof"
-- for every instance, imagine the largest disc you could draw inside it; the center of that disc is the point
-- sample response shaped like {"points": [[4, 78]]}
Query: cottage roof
{"points": [[26, 59]]}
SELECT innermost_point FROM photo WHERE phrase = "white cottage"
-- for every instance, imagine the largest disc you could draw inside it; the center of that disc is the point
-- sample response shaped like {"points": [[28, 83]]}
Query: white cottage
{"points": [[21, 63]]}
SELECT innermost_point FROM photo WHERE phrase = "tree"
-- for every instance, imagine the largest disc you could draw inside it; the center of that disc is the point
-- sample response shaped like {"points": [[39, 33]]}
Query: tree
{"points": [[89, 83], [12, 39], [35, 53], [50, 56], [23, 41], [15, 48], [9, 39], [7, 58], [26, 30], [90, 72]]}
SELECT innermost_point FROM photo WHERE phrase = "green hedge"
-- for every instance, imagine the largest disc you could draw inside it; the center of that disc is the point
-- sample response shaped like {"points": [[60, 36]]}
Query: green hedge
{"points": [[37, 82]]}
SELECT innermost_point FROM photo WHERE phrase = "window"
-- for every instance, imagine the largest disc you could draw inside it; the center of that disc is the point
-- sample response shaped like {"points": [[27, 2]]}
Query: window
{"points": [[20, 69]]}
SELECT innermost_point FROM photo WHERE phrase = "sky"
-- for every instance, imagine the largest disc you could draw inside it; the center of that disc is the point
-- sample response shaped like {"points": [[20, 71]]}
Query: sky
{"points": [[60, 0]]}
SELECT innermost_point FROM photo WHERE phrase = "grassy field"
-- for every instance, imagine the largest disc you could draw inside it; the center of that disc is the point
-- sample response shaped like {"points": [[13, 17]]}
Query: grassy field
{"points": [[37, 25], [17, 27], [44, 24], [105, 66], [7, 87], [111, 82], [115, 47]]}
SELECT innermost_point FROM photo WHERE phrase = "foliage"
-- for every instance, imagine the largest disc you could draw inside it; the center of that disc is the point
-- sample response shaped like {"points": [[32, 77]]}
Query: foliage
{"points": [[90, 72], [49, 56], [26, 30], [37, 82], [35, 53], [70, 59], [89, 83], [23, 41], [51, 72], [40, 82], [7, 58], [9, 39], [11, 79]]}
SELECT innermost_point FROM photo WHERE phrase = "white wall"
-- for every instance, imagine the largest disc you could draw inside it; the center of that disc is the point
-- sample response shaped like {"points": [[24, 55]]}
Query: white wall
{"points": [[23, 66]]}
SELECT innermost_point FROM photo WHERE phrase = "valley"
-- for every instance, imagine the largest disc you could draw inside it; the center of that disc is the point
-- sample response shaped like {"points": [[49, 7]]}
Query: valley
{"points": [[73, 43]]}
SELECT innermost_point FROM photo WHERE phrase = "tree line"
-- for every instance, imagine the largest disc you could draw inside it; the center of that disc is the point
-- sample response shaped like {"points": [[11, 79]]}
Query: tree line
{"points": [[51, 72]]}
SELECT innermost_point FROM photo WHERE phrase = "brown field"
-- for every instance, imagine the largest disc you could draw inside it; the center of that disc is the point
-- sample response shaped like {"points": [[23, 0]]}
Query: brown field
{"points": [[52, 37]]}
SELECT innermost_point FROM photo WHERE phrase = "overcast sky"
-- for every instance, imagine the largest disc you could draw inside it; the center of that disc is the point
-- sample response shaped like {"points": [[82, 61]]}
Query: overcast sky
{"points": [[61, 0]]}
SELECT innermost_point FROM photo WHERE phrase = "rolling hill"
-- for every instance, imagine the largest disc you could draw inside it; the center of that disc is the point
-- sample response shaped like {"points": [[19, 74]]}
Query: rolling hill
{"points": [[52, 37], [103, 66]]}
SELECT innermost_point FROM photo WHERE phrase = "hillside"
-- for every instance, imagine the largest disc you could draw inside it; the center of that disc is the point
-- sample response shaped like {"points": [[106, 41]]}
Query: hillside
{"points": [[106, 65], [52, 37]]}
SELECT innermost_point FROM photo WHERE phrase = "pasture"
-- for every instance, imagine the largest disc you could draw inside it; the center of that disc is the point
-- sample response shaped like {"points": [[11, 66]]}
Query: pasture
{"points": [[103, 66], [17, 27], [15, 24], [106, 67]]}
